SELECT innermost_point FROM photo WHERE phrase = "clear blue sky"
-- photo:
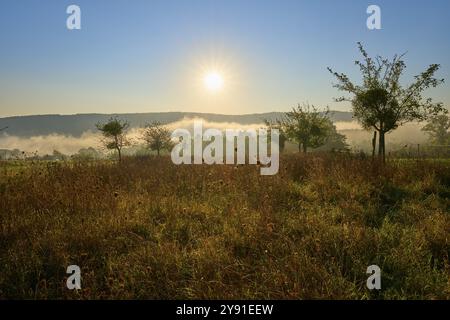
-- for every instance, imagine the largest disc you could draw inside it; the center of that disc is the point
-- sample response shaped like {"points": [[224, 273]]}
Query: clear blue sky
{"points": [[150, 55]]}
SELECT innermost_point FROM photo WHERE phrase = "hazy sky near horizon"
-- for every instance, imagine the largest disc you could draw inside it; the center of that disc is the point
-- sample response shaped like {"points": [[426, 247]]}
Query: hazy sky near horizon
{"points": [[151, 55]]}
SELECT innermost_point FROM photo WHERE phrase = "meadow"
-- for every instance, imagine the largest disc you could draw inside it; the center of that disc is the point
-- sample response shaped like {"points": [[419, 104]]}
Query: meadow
{"points": [[147, 229]]}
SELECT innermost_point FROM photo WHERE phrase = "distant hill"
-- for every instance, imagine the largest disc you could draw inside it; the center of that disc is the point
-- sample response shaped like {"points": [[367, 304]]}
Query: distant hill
{"points": [[75, 125]]}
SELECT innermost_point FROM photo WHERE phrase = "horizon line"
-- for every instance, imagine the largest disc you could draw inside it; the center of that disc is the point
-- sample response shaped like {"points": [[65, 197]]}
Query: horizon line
{"points": [[153, 112]]}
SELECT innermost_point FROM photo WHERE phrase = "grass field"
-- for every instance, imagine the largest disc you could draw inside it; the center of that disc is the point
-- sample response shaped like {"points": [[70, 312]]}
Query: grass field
{"points": [[148, 229]]}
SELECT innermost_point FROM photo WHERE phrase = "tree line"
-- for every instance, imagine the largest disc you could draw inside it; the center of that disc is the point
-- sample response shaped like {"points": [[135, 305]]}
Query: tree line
{"points": [[156, 136]]}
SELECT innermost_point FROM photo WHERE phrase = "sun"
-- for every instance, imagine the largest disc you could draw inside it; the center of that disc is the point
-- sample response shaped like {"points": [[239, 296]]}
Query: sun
{"points": [[213, 81]]}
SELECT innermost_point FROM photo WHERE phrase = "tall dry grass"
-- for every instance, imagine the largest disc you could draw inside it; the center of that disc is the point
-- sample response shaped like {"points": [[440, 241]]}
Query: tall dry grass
{"points": [[149, 229]]}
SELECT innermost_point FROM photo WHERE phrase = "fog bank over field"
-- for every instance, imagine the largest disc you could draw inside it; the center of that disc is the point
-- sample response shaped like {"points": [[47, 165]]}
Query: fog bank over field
{"points": [[69, 144], [46, 144], [406, 135]]}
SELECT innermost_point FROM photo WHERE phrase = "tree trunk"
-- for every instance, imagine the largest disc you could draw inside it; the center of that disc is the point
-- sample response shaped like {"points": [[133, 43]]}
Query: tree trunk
{"points": [[120, 154], [374, 144], [157, 150], [381, 147], [304, 148]]}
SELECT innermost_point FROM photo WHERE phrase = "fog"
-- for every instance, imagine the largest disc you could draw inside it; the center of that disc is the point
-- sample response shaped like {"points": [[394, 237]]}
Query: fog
{"points": [[357, 138], [46, 144]]}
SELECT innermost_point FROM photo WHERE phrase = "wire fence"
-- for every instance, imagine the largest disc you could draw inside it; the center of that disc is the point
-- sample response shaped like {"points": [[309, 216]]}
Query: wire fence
{"points": [[418, 151]]}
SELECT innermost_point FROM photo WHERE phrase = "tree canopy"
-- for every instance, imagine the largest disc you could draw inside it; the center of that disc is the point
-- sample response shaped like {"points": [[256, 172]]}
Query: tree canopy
{"points": [[306, 126], [114, 134], [381, 102], [438, 129], [157, 137]]}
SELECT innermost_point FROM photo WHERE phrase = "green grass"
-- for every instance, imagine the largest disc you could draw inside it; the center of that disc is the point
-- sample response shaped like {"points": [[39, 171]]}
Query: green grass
{"points": [[147, 229]]}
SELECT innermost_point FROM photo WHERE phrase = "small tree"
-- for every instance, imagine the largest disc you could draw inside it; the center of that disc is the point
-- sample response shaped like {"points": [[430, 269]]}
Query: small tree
{"points": [[157, 137], [438, 129], [87, 154], [381, 102], [306, 126], [59, 155], [335, 141], [114, 135]]}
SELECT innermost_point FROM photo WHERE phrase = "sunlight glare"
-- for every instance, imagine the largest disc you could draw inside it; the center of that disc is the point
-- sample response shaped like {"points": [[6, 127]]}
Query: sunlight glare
{"points": [[213, 81]]}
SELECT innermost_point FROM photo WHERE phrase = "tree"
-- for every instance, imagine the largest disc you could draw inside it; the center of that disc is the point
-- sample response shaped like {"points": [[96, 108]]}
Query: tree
{"points": [[157, 137], [114, 134], [381, 102], [58, 155], [335, 141], [307, 126], [374, 144], [87, 154], [438, 129]]}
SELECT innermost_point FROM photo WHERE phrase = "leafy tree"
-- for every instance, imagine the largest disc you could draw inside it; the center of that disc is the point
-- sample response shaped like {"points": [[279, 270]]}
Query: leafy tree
{"points": [[114, 134], [306, 126], [381, 102], [335, 141], [438, 129], [157, 137]]}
